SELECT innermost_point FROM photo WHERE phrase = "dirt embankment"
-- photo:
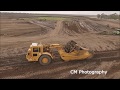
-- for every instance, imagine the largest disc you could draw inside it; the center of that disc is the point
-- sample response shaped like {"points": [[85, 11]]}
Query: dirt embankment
{"points": [[16, 36]]}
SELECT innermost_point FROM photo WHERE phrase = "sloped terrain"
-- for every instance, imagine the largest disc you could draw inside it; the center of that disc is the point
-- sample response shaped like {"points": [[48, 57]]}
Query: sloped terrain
{"points": [[16, 35]]}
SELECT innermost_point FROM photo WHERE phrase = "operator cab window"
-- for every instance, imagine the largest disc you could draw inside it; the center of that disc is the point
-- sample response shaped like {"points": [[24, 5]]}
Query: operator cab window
{"points": [[35, 49]]}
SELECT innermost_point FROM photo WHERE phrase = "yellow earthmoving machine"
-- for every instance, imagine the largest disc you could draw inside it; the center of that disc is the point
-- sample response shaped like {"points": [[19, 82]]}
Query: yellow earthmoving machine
{"points": [[45, 54]]}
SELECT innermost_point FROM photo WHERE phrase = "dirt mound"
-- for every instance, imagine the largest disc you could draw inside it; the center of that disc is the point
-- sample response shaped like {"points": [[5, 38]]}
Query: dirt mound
{"points": [[83, 26], [17, 35], [76, 27]]}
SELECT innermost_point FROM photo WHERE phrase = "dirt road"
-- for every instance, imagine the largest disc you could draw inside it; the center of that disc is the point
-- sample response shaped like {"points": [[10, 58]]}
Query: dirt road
{"points": [[16, 35]]}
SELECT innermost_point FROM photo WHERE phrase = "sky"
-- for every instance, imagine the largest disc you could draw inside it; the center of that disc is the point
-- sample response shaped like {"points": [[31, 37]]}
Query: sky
{"points": [[67, 12]]}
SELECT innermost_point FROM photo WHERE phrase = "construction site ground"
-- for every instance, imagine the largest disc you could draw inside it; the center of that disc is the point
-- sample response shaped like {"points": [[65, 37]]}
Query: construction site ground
{"points": [[18, 32]]}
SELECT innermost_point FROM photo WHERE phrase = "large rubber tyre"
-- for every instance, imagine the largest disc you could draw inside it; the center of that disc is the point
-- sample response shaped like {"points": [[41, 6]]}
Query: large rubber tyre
{"points": [[45, 60]]}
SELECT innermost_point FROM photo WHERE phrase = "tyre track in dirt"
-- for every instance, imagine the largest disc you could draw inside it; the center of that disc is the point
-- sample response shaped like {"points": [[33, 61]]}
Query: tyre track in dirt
{"points": [[57, 69], [41, 24], [14, 64], [58, 29]]}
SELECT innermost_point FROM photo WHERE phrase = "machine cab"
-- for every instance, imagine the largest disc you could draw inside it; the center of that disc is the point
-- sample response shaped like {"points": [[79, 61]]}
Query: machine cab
{"points": [[34, 52]]}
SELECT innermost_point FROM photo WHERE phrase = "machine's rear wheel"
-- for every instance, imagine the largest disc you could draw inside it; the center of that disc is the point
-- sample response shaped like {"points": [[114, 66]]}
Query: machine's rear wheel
{"points": [[45, 60]]}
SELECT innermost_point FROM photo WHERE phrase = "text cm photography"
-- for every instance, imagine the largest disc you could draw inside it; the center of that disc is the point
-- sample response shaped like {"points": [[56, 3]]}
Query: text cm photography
{"points": [[99, 72], [59, 45]]}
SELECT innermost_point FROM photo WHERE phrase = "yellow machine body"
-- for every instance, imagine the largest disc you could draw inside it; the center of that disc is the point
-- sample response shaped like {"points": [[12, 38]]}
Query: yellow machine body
{"points": [[36, 51]]}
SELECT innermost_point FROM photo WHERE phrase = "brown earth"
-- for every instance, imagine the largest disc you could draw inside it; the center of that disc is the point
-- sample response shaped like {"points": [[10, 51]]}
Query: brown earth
{"points": [[16, 35]]}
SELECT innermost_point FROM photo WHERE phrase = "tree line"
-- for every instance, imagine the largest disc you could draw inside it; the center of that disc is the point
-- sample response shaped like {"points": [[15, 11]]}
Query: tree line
{"points": [[111, 16]]}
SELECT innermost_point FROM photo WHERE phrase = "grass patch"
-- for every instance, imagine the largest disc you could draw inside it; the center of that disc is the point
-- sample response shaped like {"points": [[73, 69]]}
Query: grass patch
{"points": [[45, 18], [51, 18]]}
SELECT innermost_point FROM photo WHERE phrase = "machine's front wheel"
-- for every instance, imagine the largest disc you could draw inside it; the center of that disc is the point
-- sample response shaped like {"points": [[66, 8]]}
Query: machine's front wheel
{"points": [[45, 60]]}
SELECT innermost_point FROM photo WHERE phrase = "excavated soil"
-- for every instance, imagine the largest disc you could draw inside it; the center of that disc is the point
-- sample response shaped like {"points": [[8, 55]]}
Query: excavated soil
{"points": [[16, 35]]}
